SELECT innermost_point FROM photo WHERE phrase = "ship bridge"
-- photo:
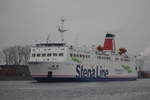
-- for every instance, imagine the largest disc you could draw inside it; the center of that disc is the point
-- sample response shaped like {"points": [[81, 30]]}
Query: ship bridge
{"points": [[48, 52]]}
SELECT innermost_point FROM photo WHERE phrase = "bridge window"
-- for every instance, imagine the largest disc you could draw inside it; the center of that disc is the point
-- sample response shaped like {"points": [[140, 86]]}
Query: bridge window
{"points": [[38, 55], [61, 54], [54, 54], [49, 54], [33, 55], [44, 54]]}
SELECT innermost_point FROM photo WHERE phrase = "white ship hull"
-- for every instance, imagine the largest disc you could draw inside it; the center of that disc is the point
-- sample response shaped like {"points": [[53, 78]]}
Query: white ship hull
{"points": [[87, 71], [61, 62]]}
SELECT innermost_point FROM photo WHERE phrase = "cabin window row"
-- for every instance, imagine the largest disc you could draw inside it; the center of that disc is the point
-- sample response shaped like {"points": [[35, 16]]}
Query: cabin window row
{"points": [[121, 59], [48, 54], [48, 49], [104, 58], [79, 55]]}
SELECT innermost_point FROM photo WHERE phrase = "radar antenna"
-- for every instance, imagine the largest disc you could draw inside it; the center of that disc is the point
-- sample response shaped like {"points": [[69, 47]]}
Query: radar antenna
{"points": [[61, 28], [48, 38]]}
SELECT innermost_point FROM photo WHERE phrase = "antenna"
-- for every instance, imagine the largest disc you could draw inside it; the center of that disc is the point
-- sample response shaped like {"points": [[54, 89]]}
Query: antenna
{"points": [[48, 38], [61, 28]]}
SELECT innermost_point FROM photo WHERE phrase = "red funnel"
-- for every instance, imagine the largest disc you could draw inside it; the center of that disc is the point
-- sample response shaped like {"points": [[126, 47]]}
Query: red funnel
{"points": [[109, 44]]}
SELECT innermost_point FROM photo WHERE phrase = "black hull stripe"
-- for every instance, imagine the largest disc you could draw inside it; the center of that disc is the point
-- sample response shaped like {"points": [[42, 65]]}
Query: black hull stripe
{"points": [[44, 79]]}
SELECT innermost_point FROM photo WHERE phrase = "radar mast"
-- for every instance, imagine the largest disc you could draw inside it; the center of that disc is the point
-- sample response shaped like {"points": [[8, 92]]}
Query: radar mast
{"points": [[61, 28]]}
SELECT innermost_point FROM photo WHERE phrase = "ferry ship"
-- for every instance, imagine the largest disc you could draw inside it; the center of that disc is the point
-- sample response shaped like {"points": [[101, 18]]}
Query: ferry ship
{"points": [[59, 61]]}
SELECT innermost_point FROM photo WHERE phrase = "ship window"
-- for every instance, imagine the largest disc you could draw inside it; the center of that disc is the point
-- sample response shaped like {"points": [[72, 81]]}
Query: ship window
{"points": [[61, 54], [62, 49], [33, 55], [104, 58], [54, 54], [74, 55], [33, 49], [116, 58], [44, 54], [38, 55], [99, 57], [126, 59], [86, 56], [77, 55], [80, 55], [121, 59], [49, 54], [108, 58], [83, 56], [57, 66]]}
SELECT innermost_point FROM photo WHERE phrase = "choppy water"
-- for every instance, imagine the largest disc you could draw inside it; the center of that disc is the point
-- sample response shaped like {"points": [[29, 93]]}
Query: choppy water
{"points": [[30, 90]]}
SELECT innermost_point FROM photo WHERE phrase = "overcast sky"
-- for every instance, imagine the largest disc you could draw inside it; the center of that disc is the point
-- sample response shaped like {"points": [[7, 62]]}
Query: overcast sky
{"points": [[24, 21]]}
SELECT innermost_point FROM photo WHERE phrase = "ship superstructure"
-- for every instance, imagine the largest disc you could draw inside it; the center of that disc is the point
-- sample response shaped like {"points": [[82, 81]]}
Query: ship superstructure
{"points": [[63, 62]]}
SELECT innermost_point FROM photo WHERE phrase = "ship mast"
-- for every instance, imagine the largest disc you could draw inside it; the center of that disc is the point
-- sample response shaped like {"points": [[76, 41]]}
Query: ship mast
{"points": [[48, 38], [61, 29]]}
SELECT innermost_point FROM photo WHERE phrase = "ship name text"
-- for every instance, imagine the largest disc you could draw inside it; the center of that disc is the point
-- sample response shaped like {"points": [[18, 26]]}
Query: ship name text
{"points": [[97, 72]]}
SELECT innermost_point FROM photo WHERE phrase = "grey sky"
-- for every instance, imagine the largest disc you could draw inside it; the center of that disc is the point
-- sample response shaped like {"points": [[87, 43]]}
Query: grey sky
{"points": [[23, 21]]}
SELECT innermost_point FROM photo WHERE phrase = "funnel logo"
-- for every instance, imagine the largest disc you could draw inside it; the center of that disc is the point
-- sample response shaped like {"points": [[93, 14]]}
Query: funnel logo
{"points": [[97, 72]]}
